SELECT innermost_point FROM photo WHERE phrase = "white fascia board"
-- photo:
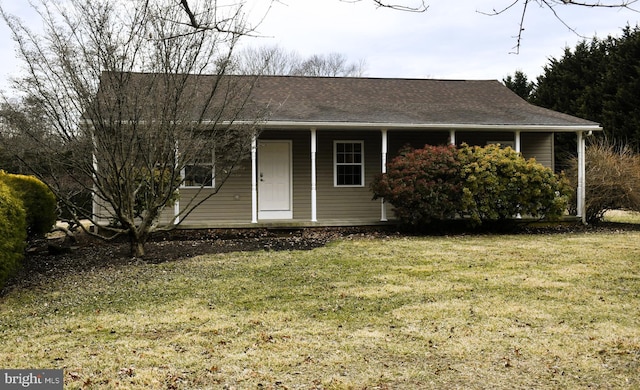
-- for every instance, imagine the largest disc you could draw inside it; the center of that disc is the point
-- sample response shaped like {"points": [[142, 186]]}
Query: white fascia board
{"points": [[305, 126], [424, 126]]}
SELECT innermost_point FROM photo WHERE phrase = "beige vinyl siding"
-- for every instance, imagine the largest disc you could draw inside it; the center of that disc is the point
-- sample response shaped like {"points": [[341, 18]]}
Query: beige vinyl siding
{"points": [[481, 138], [101, 209], [347, 203], [532, 145], [231, 203], [415, 139], [538, 146]]}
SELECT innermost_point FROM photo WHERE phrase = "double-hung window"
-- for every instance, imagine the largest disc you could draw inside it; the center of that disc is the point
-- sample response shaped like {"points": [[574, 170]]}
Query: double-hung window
{"points": [[348, 163], [200, 173]]}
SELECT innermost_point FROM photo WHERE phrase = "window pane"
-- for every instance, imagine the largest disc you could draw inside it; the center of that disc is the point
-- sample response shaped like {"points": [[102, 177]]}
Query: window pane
{"points": [[198, 175], [349, 175]]}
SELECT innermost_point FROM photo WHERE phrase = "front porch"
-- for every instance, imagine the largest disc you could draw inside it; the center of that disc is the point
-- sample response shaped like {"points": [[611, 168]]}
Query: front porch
{"points": [[307, 193]]}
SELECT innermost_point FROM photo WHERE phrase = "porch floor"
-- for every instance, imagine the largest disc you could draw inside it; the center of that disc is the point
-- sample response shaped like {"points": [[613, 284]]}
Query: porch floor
{"points": [[302, 223], [285, 223]]}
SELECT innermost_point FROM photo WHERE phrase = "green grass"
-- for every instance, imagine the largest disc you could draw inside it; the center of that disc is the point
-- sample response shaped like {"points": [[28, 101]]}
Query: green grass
{"points": [[479, 312]]}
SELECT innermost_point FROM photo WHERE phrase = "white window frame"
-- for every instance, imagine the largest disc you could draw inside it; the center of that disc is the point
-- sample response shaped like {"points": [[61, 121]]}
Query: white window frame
{"points": [[336, 164], [203, 164]]}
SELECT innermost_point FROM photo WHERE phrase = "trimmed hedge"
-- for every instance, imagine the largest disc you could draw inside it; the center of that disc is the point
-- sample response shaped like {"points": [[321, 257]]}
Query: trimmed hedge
{"points": [[479, 184], [13, 233], [38, 200]]}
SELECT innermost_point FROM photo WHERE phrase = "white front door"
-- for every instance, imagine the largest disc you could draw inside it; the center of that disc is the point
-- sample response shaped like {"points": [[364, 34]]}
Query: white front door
{"points": [[274, 180]]}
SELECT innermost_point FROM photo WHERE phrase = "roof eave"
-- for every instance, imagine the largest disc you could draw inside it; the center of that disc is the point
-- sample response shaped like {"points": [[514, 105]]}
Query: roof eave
{"points": [[302, 125]]}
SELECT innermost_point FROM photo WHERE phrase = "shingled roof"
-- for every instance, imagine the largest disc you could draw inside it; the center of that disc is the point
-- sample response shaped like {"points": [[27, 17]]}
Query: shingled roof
{"points": [[398, 102], [305, 102]]}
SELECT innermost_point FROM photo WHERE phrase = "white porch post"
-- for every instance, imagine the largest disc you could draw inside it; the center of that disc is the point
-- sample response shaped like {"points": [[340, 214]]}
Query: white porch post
{"points": [[176, 212], [581, 191], [254, 183], [452, 137], [176, 205], [517, 141], [314, 194], [383, 210]]}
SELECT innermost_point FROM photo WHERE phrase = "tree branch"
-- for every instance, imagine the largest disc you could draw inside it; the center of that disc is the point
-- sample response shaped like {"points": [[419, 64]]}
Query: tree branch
{"points": [[399, 7], [192, 18], [551, 6]]}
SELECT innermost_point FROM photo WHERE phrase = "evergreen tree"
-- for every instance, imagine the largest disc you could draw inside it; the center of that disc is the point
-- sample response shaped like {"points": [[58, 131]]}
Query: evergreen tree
{"points": [[621, 89], [520, 84], [599, 80]]}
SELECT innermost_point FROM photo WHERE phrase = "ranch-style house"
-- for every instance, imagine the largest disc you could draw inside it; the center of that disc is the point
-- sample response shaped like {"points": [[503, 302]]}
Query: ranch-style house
{"points": [[325, 139]]}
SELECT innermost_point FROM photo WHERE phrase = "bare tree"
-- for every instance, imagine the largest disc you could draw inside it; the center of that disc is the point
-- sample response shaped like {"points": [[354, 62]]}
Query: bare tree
{"points": [[273, 60], [332, 65], [139, 99], [267, 60]]}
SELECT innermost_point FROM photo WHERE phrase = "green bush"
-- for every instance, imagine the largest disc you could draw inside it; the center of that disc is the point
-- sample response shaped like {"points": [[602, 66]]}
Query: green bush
{"points": [[500, 184], [477, 183], [38, 200], [422, 184], [13, 233]]}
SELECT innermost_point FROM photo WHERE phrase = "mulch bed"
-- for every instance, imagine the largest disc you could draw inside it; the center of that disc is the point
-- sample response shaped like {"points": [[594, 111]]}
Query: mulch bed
{"points": [[50, 258]]}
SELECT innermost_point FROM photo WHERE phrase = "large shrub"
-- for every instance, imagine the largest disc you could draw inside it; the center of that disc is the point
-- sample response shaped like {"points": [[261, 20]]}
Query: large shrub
{"points": [[422, 184], [500, 184], [38, 200], [612, 179], [13, 233], [478, 183]]}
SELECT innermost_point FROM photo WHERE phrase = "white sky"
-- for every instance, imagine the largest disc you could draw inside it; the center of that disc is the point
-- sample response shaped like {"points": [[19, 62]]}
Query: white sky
{"points": [[450, 41]]}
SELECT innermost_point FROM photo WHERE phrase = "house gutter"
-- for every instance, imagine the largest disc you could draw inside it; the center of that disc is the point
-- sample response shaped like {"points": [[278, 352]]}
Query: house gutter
{"points": [[421, 126], [322, 125]]}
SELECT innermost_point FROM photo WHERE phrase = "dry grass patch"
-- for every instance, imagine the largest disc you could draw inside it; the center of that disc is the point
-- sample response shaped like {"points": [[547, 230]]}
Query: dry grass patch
{"points": [[622, 216], [523, 311]]}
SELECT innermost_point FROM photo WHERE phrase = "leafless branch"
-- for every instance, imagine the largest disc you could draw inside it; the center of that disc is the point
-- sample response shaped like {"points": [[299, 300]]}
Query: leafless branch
{"points": [[192, 18], [421, 7], [551, 6]]}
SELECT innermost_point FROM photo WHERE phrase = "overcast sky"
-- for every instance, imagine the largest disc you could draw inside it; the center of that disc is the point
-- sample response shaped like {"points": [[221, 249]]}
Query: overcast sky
{"points": [[452, 40]]}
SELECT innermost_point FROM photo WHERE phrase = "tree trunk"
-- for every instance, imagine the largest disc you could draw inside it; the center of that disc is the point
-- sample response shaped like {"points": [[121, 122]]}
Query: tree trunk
{"points": [[137, 249], [137, 245]]}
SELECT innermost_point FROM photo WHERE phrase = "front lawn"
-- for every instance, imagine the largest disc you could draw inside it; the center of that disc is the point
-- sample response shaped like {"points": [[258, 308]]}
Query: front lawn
{"points": [[474, 312]]}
